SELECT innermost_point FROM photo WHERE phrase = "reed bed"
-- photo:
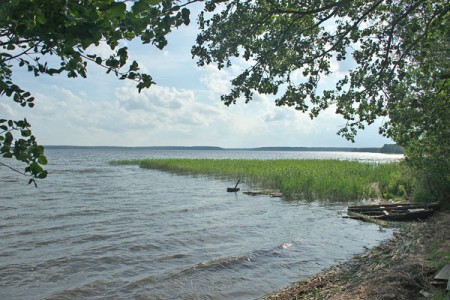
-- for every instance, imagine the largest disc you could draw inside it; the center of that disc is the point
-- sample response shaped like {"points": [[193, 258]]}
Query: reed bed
{"points": [[310, 179]]}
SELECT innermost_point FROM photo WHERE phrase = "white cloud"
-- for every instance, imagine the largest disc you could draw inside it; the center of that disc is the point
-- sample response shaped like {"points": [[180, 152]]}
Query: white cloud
{"points": [[170, 107], [183, 109], [215, 80], [6, 110], [170, 116]]}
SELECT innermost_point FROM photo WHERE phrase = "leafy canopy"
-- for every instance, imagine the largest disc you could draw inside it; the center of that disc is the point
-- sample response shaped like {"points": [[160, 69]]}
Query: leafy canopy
{"points": [[283, 39], [398, 56], [31, 31], [397, 52]]}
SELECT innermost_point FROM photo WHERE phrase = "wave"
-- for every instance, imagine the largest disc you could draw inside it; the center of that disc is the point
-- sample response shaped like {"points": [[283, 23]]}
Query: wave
{"points": [[79, 213], [245, 261], [144, 247], [212, 268], [86, 290], [82, 171]]}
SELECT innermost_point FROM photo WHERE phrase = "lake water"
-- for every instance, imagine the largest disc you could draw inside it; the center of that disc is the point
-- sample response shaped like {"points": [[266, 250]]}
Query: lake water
{"points": [[96, 231]]}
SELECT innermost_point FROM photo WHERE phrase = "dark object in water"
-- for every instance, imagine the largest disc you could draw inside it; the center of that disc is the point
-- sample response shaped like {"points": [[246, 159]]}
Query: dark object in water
{"points": [[396, 212], [276, 195], [235, 189], [266, 192]]}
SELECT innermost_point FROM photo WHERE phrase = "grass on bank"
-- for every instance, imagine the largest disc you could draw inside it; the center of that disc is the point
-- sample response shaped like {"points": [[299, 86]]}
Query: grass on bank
{"points": [[310, 179]]}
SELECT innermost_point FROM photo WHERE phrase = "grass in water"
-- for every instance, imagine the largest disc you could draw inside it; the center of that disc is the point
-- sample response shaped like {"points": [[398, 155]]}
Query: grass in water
{"points": [[310, 179]]}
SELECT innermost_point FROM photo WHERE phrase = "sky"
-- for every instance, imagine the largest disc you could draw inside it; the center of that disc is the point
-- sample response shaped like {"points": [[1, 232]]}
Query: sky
{"points": [[182, 109]]}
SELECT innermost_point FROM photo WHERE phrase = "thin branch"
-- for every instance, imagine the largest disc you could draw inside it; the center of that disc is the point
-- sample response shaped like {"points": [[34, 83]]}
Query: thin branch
{"points": [[190, 2], [9, 167], [116, 70], [23, 53], [392, 29], [18, 42], [410, 47], [309, 12], [343, 35]]}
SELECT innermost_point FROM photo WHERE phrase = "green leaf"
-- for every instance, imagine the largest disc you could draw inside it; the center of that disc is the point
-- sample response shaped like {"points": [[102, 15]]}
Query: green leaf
{"points": [[42, 160], [40, 18], [117, 9], [35, 168], [8, 138], [42, 175], [26, 132], [140, 6], [8, 155], [185, 13]]}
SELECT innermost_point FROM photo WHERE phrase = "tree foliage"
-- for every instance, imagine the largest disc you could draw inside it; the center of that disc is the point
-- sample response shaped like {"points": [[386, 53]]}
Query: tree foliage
{"points": [[397, 50], [31, 31], [419, 113]]}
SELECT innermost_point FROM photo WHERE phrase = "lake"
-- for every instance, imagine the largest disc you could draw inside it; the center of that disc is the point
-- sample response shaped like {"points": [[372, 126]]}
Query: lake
{"points": [[92, 230]]}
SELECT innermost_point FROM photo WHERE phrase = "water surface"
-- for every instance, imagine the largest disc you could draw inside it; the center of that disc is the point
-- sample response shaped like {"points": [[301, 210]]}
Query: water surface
{"points": [[96, 231]]}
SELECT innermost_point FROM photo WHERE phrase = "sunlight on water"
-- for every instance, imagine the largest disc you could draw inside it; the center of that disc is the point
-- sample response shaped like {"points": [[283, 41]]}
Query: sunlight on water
{"points": [[96, 231]]}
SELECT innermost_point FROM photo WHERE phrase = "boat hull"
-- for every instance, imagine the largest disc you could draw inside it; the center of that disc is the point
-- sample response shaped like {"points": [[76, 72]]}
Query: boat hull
{"points": [[395, 212]]}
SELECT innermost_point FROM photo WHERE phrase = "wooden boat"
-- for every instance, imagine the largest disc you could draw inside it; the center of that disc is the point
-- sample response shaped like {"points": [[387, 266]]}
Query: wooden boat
{"points": [[393, 206], [395, 212], [409, 215], [234, 189]]}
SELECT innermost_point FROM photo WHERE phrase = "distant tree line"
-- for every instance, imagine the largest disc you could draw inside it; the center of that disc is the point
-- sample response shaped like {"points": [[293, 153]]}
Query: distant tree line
{"points": [[392, 148]]}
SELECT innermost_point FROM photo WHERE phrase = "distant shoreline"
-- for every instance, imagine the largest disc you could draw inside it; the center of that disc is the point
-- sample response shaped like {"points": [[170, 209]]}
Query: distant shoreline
{"points": [[389, 149]]}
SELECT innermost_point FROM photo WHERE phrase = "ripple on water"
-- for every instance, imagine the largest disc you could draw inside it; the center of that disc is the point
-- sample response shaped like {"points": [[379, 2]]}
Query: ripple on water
{"points": [[96, 231]]}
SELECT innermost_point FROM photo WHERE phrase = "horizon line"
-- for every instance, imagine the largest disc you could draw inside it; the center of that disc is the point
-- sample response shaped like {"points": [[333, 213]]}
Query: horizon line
{"points": [[218, 148]]}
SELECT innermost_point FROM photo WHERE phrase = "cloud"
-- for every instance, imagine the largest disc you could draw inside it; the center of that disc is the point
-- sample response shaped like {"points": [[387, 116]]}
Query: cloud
{"points": [[275, 116], [170, 107], [215, 80], [165, 115], [183, 109], [6, 110]]}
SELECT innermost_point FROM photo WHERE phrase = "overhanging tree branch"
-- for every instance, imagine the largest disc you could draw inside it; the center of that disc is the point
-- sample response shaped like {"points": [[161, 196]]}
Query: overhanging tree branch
{"points": [[309, 12]]}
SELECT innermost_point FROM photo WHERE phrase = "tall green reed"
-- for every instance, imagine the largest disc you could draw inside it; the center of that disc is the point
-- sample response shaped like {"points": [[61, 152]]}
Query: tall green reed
{"points": [[311, 179]]}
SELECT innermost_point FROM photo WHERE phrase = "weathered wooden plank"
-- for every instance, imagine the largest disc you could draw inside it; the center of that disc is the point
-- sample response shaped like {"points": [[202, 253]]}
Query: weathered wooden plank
{"points": [[396, 212], [388, 207], [443, 274], [416, 209]]}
